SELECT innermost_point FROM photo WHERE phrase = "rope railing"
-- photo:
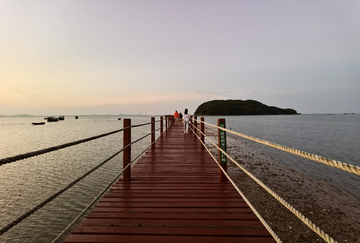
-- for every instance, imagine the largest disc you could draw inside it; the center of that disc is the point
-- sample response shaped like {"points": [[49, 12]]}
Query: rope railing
{"points": [[97, 198], [310, 224], [297, 213], [54, 148], [329, 162], [55, 195], [277, 239]]}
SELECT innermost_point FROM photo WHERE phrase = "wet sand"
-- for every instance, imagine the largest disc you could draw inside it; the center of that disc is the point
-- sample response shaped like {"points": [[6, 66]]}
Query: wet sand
{"points": [[336, 212]]}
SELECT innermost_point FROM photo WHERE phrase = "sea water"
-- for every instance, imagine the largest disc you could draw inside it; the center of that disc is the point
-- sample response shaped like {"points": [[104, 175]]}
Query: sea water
{"points": [[26, 183], [335, 136]]}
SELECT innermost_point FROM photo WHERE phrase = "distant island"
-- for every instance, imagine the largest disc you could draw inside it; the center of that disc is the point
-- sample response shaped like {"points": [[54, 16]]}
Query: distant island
{"points": [[240, 107]]}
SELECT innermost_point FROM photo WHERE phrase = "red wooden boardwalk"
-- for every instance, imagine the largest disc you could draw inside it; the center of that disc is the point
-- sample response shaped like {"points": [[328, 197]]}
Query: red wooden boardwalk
{"points": [[174, 196]]}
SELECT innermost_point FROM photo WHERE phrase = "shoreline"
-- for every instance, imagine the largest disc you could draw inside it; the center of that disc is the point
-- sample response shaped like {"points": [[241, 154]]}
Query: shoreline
{"points": [[336, 212]]}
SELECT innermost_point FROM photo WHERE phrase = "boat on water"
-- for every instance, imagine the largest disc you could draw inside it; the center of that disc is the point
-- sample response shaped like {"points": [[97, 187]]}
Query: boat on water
{"points": [[51, 119], [38, 123]]}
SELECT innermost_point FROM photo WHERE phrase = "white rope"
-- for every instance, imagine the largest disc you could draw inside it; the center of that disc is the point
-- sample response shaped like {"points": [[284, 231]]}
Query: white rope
{"points": [[305, 220], [333, 163]]}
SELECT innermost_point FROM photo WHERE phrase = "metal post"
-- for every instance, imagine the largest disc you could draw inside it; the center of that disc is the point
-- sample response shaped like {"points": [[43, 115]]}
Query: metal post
{"points": [[161, 125], [127, 151], [222, 145], [153, 132], [202, 129]]}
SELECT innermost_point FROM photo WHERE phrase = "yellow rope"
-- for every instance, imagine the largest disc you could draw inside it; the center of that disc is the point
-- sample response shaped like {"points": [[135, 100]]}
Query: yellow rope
{"points": [[298, 214], [262, 220], [333, 163]]}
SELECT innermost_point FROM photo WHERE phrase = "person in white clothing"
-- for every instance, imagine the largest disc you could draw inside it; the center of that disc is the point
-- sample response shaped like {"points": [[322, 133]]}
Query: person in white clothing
{"points": [[186, 118]]}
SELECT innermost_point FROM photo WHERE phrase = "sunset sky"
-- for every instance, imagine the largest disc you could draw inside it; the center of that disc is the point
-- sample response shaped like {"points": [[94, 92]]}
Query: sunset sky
{"points": [[156, 56]]}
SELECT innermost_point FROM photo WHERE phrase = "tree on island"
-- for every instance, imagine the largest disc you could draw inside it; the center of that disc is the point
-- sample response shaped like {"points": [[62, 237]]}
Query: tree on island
{"points": [[240, 107]]}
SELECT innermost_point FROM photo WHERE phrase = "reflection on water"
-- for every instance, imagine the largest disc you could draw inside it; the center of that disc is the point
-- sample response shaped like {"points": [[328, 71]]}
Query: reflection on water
{"points": [[26, 183]]}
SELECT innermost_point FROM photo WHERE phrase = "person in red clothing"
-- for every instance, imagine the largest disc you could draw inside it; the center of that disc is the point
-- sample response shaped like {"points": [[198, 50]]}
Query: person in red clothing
{"points": [[176, 117]]}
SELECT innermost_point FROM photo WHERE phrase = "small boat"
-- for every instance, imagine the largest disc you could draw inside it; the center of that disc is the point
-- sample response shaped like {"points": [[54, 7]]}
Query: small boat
{"points": [[38, 123], [51, 119]]}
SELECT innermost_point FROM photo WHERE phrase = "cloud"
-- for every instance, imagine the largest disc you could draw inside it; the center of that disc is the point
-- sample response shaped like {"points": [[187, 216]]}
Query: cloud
{"points": [[215, 94], [285, 88], [253, 92], [29, 96], [144, 91]]}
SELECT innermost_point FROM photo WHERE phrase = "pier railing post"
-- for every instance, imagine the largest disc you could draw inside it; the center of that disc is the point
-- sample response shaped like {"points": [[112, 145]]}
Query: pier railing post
{"points": [[191, 122], [202, 129], [127, 151], [152, 132], [195, 125], [161, 126], [166, 123], [222, 145]]}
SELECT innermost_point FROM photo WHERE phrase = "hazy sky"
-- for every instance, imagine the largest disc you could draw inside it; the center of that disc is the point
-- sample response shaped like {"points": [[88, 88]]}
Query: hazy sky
{"points": [[152, 57]]}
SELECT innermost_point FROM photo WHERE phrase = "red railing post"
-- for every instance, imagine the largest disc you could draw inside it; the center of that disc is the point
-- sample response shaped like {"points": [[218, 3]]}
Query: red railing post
{"points": [[169, 120], [127, 151], [202, 129], [222, 145], [191, 122], [161, 125], [166, 123], [152, 132], [195, 125]]}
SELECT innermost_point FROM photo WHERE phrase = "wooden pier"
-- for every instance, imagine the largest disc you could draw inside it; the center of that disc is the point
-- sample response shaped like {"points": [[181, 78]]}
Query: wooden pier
{"points": [[174, 196]]}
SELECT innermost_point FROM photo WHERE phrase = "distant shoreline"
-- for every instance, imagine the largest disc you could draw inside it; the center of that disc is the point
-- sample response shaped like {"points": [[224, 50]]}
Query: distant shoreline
{"points": [[121, 115], [140, 115]]}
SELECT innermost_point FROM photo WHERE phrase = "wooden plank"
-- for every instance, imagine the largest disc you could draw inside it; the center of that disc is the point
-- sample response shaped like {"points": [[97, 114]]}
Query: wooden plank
{"points": [[172, 200], [174, 210], [171, 205], [124, 194], [173, 189], [146, 230], [74, 238], [150, 215], [174, 196], [251, 222]]}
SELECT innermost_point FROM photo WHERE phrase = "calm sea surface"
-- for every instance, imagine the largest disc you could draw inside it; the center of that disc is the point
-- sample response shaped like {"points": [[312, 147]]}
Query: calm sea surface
{"points": [[26, 183], [335, 137]]}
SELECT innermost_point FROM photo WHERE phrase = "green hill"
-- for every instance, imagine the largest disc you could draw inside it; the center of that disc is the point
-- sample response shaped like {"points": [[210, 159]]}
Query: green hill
{"points": [[240, 107]]}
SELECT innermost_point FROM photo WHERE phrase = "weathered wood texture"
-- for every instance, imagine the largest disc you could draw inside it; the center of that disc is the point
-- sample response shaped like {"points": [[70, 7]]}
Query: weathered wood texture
{"points": [[174, 196]]}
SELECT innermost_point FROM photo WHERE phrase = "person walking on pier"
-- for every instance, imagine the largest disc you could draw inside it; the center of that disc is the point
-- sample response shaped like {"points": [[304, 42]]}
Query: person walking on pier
{"points": [[186, 121], [176, 117], [180, 117]]}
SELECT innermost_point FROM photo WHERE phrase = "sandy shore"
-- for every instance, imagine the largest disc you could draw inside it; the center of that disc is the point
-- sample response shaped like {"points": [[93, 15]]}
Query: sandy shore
{"points": [[335, 212]]}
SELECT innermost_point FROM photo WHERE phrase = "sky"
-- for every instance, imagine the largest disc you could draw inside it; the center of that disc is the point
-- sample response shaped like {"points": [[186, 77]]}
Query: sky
{"points": [[153, 57]]}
